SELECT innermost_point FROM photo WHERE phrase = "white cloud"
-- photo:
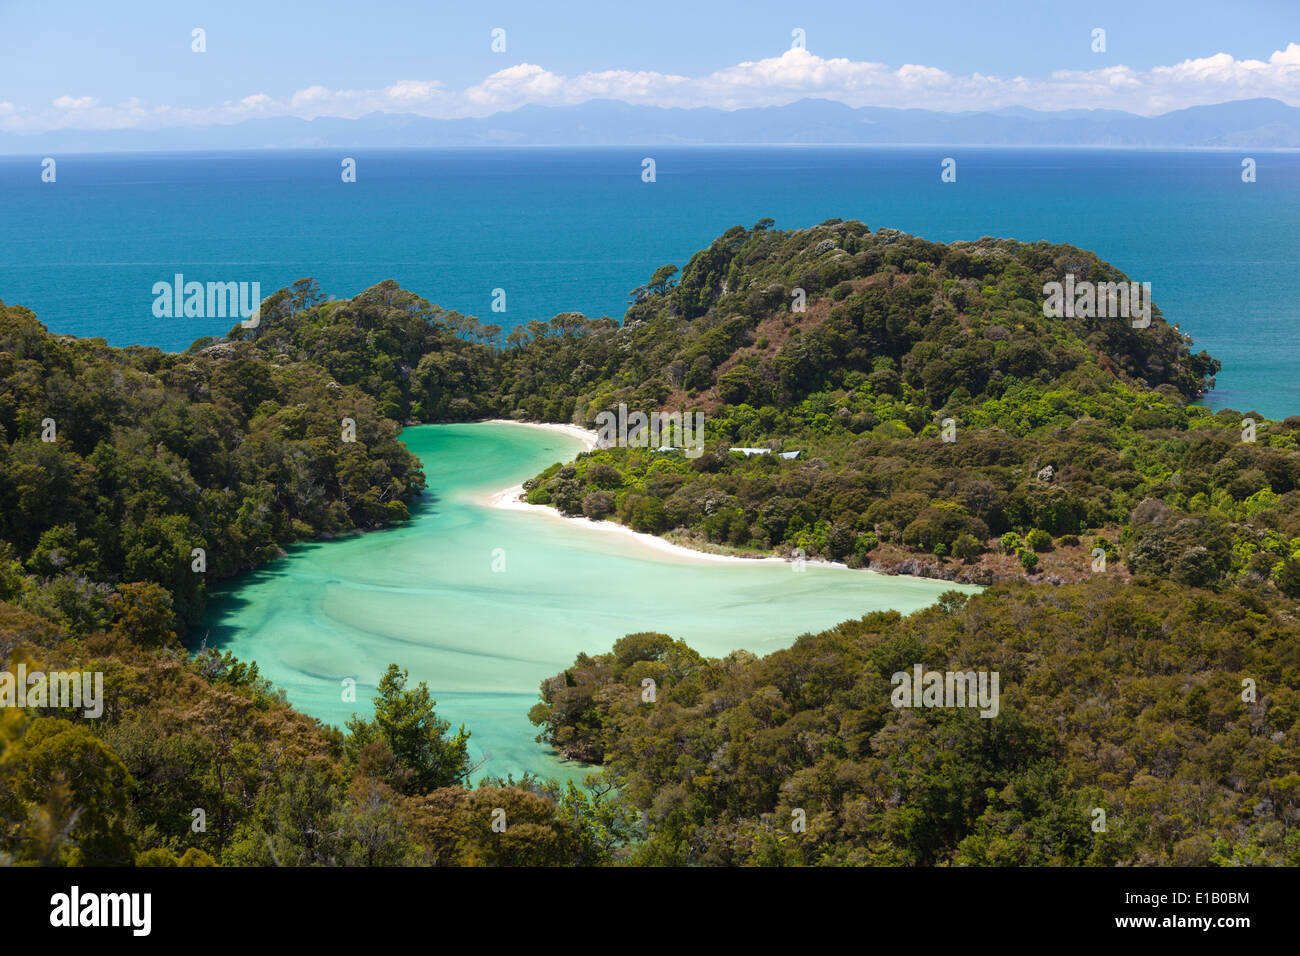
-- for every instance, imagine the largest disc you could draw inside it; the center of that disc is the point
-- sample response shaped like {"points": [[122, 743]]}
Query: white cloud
{"points": [[527, 83], [772, 81], [414, 91], [74, 102]]}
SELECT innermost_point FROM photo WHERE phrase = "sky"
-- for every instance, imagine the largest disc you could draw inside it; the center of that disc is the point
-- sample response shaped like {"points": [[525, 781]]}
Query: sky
{"points": [[86, 64]]}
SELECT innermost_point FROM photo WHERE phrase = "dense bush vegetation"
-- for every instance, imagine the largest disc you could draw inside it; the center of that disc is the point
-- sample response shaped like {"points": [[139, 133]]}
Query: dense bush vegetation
{"points": [[1054, 426], [180, 733], [1127, 699], [153, 455]]}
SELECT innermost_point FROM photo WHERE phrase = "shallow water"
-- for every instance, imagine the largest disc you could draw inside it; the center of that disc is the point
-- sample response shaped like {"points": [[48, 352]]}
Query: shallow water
{"points": [[426, 597]]}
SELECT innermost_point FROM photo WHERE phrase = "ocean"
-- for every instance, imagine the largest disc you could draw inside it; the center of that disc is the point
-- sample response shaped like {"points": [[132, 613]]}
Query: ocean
{"points": [[564, 230]]}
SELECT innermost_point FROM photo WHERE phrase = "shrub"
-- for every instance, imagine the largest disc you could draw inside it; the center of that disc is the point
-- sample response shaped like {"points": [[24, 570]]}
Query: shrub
{"points": [[966, 546], [866, 542], [935, 526], [1039, 540], [1196, 567], [1288, 578], [840, 541], [1028, 560], [1011, 542], [598, 505], [158, 856], [605, 476], [566, 495], [647, 515]]}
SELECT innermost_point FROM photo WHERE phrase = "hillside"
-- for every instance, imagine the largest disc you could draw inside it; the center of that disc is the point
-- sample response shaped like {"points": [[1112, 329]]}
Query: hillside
{"points": [[1124, 699], [1056, 428], [1059, 428], [119, 466]]}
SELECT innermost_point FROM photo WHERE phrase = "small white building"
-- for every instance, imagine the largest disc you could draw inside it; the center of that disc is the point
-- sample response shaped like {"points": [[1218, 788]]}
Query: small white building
{"points": [[765, 451]]}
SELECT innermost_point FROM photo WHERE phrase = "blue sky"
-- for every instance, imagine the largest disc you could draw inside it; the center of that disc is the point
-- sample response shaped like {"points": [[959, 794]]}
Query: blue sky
{"points": [[98, 64]]}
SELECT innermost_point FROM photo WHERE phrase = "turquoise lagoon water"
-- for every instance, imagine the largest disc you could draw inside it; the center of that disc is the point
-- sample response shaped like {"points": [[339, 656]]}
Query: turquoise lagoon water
{"points": [[426, 597]]}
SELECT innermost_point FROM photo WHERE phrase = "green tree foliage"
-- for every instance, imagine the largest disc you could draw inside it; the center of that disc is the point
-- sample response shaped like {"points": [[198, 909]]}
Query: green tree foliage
{"points": [[1039, 540], [406, 723], [275, 788], [66, 797], [223, 449], [1126, 698], [143, 614]]}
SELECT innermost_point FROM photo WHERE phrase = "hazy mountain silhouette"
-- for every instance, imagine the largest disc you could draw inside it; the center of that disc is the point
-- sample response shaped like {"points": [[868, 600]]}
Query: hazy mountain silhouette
{"points": [[1257, 123]]}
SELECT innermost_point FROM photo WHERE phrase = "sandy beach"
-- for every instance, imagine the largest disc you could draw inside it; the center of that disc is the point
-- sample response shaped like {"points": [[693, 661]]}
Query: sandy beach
{"points": [[510, 499], [585, 435]]}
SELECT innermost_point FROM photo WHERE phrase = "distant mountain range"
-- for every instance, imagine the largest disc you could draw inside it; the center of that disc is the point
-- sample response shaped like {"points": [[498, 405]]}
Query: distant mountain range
{"points": [[1255, 123]]}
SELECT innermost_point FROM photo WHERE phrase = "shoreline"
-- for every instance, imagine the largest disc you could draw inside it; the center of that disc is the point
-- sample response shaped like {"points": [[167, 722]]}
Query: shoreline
{"points": [[509, 499], [587, 436]]}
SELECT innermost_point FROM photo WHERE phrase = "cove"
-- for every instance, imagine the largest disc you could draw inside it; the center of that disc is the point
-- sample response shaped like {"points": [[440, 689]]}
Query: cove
{"points": [[425, 596]]}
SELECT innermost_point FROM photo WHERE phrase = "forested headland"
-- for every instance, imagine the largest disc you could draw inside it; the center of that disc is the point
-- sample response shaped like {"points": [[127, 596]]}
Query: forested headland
{"points": [[1144, 554]]}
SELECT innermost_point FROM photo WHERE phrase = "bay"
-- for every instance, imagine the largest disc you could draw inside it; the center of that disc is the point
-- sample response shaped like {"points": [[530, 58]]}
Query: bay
{"points": [[426, 597]]}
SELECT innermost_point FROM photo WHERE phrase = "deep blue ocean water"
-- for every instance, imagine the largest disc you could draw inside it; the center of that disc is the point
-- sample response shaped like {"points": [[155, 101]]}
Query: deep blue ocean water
{"points": [[575, 229]]}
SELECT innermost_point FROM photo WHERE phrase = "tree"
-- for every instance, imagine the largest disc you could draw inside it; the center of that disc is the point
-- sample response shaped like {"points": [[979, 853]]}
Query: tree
{"points": [[142, 613], [700, 374], [529, 831], [1288, 579], [598, 505], [661, 281], [406, 721], [739, 385], [75, 790], [59, 550]]}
